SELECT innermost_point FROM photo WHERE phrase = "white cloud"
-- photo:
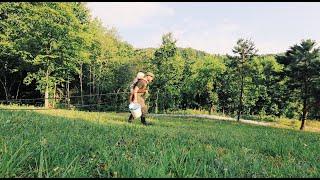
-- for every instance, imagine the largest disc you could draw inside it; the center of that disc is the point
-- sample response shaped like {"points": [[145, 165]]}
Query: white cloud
{"points": [[128, 14], [218, 38], [227, 26], [197, 34], [213, 35]]}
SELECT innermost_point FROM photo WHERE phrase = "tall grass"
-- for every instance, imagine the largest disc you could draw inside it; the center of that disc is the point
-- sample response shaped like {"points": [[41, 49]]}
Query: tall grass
{"points": [[62, 143]]}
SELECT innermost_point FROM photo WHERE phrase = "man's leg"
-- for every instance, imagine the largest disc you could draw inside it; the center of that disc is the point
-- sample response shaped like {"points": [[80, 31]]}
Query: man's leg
{"points": [[130, 118], [144, 110], [144, 122], [143, 119], [143, 116]]}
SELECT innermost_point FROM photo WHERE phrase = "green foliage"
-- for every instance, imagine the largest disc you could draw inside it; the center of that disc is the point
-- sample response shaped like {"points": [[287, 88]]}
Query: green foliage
{"points": [[302, 62], [244, 52], [168, 69], [204, 80]]}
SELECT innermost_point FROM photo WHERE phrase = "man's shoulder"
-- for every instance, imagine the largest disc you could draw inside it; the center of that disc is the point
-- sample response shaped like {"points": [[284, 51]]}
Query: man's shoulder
{"points": [[144, 81], [141, 83]]}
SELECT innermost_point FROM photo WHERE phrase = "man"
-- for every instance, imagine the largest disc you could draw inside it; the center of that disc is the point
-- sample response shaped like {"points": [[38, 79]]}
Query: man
{"points": [[139, 95]]}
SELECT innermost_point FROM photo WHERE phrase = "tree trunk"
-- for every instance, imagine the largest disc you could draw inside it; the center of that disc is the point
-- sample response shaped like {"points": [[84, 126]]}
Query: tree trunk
{"points": [[93, 83], [211, 109], [90, 81], [304, 114], [54, 94], [156, 109], [68, 92], [10, 88], [18, 89], [223, 111], [98, 83], [46, 98], [117, 100], [4, 84], [81, 88], [240, 103], [305, 104], [46, 94]]}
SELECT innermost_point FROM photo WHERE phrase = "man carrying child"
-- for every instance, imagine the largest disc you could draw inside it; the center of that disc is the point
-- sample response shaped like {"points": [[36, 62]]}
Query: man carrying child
{"points": [[138, 95]]}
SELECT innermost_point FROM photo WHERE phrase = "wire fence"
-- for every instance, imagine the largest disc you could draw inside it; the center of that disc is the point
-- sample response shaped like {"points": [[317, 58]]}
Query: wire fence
{"points": [[117, 101]]}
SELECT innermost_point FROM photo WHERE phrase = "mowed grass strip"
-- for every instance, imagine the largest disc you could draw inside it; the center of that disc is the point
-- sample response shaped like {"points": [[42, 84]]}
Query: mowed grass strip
{"points": [[64, 143]]}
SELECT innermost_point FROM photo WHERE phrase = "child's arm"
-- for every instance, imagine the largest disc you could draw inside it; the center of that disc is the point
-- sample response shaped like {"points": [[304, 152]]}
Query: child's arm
{"points": [[134, 93]]}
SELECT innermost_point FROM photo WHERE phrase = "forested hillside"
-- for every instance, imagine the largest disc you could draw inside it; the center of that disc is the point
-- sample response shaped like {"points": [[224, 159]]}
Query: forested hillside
{"points": [[58, 53]]}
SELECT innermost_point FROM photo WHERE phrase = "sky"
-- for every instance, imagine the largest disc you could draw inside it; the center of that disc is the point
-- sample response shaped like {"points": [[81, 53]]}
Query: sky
{"points": [[213, 27]]}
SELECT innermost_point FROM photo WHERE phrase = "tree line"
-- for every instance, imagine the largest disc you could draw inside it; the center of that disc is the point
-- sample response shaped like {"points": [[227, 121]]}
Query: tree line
{"points": [[56, 50]]}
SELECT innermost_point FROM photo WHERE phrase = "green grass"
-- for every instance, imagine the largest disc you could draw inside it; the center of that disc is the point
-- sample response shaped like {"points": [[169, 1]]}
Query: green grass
{"points": [[62, 143]]}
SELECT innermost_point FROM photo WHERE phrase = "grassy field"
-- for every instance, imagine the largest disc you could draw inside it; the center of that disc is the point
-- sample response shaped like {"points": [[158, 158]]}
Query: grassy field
{"points": [[63, 143], [310, 125]]}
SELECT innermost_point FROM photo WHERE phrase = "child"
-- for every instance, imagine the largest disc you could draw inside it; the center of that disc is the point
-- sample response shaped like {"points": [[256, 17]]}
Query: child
{"points": [[140, 75]]}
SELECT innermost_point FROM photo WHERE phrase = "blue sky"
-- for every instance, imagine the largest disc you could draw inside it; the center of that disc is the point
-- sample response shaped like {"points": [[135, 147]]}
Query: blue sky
{"points": [[213, 27]]}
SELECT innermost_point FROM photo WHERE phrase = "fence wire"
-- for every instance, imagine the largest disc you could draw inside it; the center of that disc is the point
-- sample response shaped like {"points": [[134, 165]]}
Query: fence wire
{"points": [[108, 101]]}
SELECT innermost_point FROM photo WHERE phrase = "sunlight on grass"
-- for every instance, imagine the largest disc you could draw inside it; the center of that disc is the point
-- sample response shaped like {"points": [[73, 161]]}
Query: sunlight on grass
{"points": [[69, 143]]}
